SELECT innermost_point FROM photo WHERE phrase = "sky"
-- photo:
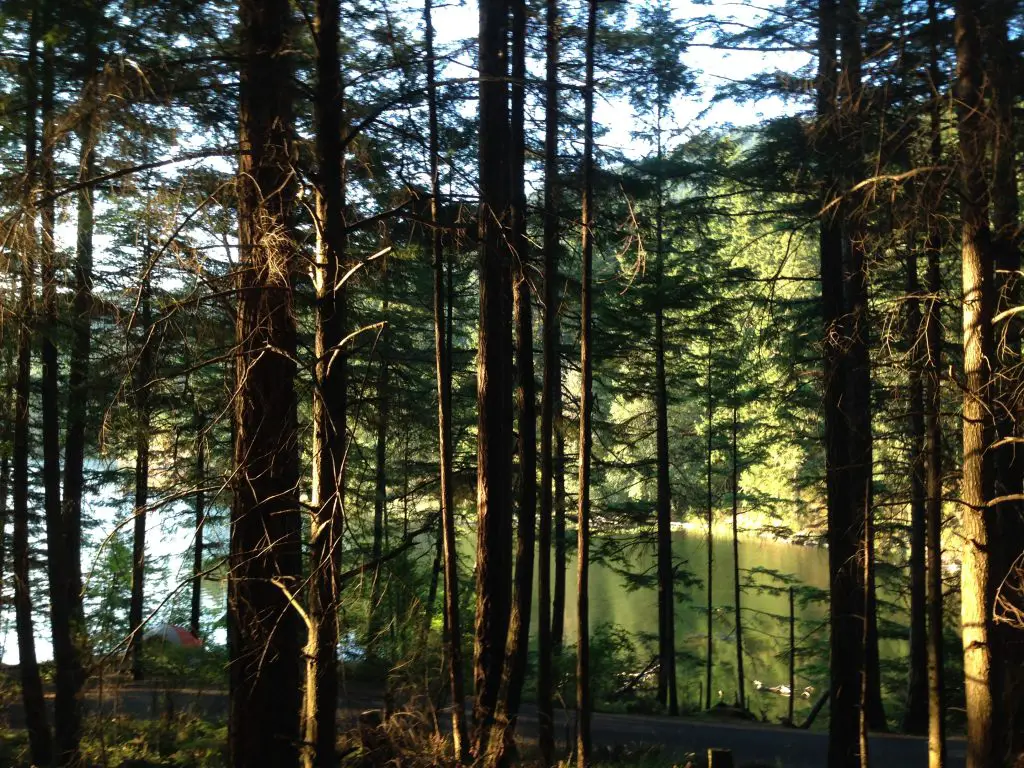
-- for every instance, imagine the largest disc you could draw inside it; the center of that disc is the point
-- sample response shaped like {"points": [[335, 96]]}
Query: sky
{"points": [[455, 21]]}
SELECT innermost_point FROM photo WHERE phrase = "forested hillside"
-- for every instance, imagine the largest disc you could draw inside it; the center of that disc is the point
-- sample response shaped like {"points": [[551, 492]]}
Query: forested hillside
{"points": [[398, 356]]}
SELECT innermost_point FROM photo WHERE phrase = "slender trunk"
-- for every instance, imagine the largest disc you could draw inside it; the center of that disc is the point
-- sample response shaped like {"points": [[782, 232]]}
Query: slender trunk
{"points": [[550, 396], [561, 565], [933, 450], [5, 479], [583, 703], [915, 718], [330, 400], [69, 676], [858, 383], [740, 682], [144, 378], [81, 327], [36, 721], [1008, 407], [519, 625], [494, 379], [199, 425], [978, 581], [380, 495], [709, 499], [443, 367], [264, 624], [845, 588], [667, 693], [792, 653]]}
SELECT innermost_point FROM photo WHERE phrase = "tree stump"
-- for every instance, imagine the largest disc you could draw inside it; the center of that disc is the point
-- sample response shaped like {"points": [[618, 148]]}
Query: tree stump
{"points": [[719, 758]]}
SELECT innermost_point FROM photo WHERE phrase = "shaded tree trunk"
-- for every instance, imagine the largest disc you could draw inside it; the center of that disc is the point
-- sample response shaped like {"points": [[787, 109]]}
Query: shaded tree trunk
{"points": [[915, 718], [709, 499], [740, 681], [519, 625], [846, 601], [380, 495], [583, 701], [143, 380], [551, 394], [494, 380], [195, 609], [264, 626], [977, 578], [330, 398], [68, 671], [667, 692], [37, 724], [443, 368]]}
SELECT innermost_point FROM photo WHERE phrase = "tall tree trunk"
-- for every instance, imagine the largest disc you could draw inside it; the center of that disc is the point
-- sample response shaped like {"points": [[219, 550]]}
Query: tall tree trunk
{"points": [[519, 625], [551, 394], [561, 565], [667, 693], [846, 601], [199, 477], [81, 326], [36, 720], [978, 581], [915, 718], [264, 625], [69, 676], [1003, 72], [858, 383], [143, 381], [494, 379], [330, 399], [583, 702], [380, 495], [933, 418], [709, 652], [443, 367], [740, 681]]}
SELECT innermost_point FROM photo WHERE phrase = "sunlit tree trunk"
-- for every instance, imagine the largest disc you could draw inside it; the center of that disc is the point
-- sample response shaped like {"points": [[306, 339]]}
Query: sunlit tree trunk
{"points": [[494, 376], [977, 581], [264, 624], [443, 369]]}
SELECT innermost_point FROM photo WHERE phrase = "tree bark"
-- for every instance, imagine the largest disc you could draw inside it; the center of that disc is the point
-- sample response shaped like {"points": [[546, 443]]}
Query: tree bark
{"points": [[199, 425], [933, 419], [667, 689], [915, 718], [143, 381], [583, 701], [68, 671], [443, 368], [519, 625], [380, 495], [36, 720], [977, 578], [330, 399], [710, 508], [551, 395], [494, 379], [740, 682], [846, 601], [1002, 74], [264, 625]]}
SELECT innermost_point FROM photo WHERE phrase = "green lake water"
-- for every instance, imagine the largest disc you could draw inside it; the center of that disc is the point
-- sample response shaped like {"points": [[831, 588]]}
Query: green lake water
{"points": [[765, 618]]}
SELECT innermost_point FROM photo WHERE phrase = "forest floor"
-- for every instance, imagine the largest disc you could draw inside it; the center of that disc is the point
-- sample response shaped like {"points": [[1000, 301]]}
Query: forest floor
{"points": [[654, 739]]}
